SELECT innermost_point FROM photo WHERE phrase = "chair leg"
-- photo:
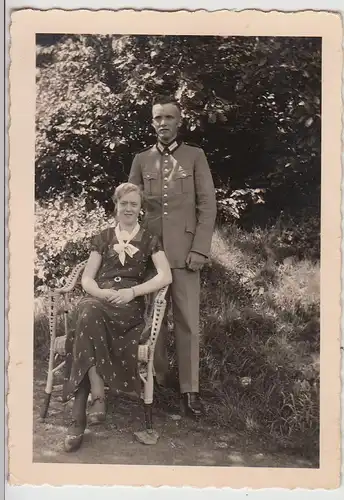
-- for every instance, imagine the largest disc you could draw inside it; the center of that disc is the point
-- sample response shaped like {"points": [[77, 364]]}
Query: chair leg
{"points": [[45, 406], [50, 377], [148, 409], [47, 395]]}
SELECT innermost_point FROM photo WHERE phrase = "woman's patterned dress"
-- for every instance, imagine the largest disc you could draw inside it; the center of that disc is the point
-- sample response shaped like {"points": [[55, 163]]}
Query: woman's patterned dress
{"points": [[107, 335]]}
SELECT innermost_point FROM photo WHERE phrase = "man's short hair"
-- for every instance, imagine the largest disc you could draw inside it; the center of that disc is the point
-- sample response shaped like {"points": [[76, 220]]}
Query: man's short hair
{"points": [[165, 99]]}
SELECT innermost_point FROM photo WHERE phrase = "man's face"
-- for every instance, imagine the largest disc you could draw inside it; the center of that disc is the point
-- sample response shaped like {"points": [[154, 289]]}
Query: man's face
{"points": [[166, 121]]}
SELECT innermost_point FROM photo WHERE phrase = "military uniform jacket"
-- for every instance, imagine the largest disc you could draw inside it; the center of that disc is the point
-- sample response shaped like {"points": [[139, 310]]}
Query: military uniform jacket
{"points": [[180, 203]]}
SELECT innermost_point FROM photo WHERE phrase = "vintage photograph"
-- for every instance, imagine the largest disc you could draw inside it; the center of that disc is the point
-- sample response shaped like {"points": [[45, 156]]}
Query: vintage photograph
{"points": [[174, 249], [177, 250]]}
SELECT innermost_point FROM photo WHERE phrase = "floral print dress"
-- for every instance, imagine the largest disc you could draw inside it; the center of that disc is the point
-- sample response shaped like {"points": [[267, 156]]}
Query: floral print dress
{"points": [[107, 335]]}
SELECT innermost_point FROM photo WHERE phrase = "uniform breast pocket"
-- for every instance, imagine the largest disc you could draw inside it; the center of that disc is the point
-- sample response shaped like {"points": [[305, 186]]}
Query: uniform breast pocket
{"points": [[184, 181], [150, 182]]}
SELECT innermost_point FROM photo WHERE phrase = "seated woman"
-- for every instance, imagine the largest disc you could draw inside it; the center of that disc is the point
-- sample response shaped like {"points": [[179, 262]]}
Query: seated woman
{"points": [[104, 347]]}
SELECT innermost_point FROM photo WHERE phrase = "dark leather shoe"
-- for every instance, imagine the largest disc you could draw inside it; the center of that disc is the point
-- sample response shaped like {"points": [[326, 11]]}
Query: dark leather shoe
{"points": [[190, 404]]}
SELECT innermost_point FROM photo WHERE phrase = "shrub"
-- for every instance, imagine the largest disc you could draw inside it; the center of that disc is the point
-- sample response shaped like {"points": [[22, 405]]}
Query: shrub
{"points": [[260, 340], [232, 204], [93, 111], [65, 225], [63, 230]]}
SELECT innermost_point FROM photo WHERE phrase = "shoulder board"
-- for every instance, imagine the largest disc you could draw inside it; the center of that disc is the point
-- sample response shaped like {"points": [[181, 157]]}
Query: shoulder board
{"points": [[145, 148], [193, 144]]}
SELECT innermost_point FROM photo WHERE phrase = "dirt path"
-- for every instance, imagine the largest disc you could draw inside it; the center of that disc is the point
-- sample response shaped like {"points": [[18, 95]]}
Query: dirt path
{"points": [[181, 442]]}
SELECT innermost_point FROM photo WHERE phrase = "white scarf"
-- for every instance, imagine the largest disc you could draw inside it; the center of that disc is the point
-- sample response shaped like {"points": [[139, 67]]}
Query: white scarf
{"points": [[122, 247]]}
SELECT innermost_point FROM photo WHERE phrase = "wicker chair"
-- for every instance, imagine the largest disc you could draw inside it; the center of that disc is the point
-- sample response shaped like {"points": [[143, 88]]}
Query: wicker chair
{"points": [[155, 310]]}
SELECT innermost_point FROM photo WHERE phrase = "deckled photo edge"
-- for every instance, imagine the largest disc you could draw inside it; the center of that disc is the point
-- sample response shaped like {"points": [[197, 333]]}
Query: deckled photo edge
{"points": [[20, 367]]}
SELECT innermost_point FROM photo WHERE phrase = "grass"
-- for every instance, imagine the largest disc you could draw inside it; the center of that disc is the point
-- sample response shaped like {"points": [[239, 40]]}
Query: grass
{"points": [[260, 340]]}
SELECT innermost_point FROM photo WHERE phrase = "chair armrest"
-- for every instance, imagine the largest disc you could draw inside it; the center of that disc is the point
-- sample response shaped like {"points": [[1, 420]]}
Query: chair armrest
{"points": [[158, 316], [72, 278], [160, 296]]}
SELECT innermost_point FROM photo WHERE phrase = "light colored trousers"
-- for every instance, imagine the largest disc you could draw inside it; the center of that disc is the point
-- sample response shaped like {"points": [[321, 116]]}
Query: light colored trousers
{"points": [[185, 294]]}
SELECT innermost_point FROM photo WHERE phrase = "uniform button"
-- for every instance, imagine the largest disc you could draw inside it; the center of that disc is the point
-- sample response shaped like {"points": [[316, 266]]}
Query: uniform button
{"points": [[165, 187], [166, 169], [166, 154], [184, 175], [165, 161], [165, 194], [165, 204], [165, 213]]}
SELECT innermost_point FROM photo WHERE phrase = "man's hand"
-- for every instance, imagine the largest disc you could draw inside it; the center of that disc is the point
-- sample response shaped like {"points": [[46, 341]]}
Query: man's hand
{"points": [[195, 261]]}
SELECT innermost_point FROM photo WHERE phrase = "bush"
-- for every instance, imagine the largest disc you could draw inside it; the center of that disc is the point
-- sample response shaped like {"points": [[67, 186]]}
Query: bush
{"points": [[93, 111], [231, 205], [63, 230], [260, 340], [65, 225]]}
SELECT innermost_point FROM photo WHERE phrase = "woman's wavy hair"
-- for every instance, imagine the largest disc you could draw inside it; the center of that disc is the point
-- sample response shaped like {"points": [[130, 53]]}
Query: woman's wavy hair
{"points": [[126, 188]]}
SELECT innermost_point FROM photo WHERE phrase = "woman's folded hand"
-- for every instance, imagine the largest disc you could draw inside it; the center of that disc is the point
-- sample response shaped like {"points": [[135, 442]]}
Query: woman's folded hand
{"points": [[124, 296], [108, 294]]}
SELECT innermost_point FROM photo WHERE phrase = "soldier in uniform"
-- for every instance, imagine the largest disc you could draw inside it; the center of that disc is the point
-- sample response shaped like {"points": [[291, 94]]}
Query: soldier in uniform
{"points": [[180, 206]]}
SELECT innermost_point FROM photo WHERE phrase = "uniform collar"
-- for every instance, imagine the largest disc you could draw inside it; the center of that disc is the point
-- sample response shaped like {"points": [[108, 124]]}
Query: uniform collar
{"points": [[169, 148]]}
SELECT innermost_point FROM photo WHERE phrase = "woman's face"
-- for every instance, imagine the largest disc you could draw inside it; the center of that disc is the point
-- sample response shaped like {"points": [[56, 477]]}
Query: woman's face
{"points": [[128, 208]]}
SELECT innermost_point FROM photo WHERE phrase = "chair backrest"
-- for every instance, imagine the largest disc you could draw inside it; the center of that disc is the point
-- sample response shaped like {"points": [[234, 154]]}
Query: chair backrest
{"points": [[73, 278]]}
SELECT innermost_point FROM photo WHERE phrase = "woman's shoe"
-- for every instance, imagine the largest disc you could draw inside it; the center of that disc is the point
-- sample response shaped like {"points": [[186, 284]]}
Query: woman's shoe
{"points": [[77, 427], [75, 435], [97, 414]]}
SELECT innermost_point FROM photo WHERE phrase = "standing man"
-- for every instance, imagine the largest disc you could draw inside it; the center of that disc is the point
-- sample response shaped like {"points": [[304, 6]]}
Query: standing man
{"points": [[180, 207]]}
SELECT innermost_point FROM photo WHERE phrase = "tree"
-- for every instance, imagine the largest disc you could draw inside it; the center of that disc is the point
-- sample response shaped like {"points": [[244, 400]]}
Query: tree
{"points": [[252, 103]]}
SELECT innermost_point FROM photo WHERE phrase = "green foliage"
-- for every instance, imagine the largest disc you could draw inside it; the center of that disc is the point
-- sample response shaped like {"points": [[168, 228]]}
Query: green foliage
{"points": [[232, 205], [63, 229], [299, 236], [261, 340], [253, 103]]}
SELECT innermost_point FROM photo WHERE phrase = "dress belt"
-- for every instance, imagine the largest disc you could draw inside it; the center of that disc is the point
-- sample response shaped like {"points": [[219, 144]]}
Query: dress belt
{"points": [[118, 279], [132, 281]]}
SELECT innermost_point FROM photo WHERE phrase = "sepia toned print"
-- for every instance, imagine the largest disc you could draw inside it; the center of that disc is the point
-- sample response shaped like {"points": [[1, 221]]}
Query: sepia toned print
{"points": [[227, 136]]}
